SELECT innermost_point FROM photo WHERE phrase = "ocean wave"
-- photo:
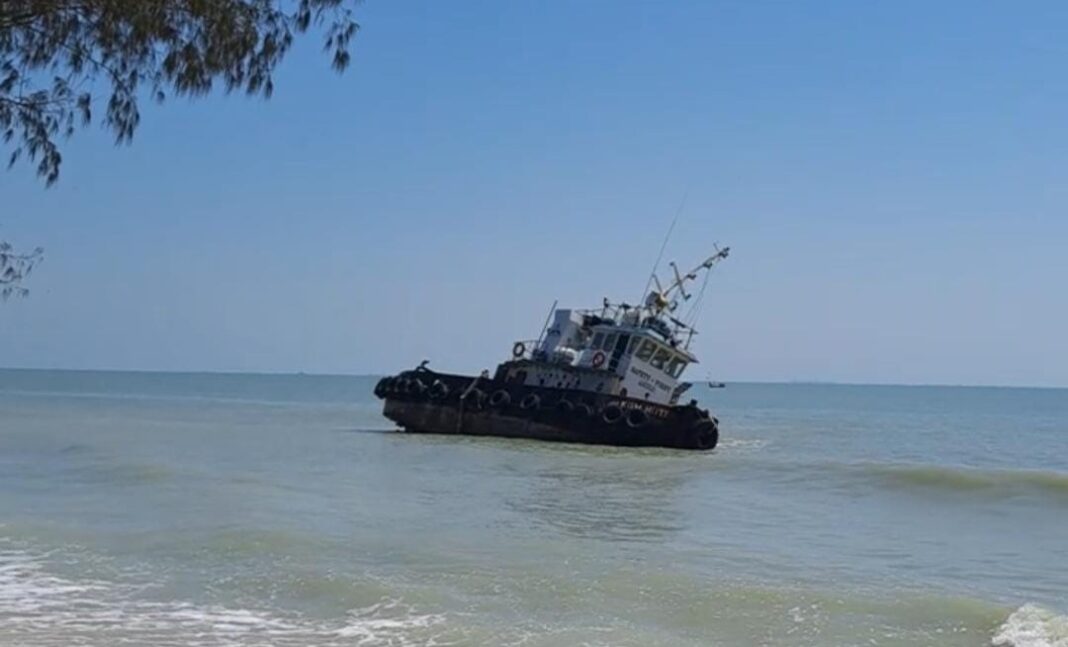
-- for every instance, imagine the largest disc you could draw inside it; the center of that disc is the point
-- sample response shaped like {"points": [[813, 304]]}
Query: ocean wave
{"points": [[741, 445], [42, 609], [1032, 626], [242, 541], [101, 471], [135, 473], [961, 479]]}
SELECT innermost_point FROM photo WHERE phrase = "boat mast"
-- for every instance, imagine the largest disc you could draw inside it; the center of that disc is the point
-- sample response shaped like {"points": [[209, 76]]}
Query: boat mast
{"points": [[662, 299], [545, 327]]}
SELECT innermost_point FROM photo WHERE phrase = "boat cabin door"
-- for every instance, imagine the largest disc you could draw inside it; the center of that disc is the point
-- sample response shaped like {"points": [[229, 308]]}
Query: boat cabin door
{"points": [[617, 352]]}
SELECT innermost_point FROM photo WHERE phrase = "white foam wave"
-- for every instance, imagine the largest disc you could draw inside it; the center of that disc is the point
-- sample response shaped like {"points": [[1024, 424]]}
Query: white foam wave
{"points": [[742, 445], [40, 609], [1032, 626]]}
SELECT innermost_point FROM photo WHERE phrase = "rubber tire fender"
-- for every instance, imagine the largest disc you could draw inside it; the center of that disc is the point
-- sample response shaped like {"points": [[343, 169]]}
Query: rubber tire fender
{"points": [[532, 401], [612, 413], [416, 387], [439, 390], [500, 398], [704, 434], [476, 398], [637, 418]]}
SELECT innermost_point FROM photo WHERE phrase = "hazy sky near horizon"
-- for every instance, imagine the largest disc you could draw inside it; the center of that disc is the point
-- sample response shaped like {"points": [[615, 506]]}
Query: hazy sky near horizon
{"points": [[892, 178]]}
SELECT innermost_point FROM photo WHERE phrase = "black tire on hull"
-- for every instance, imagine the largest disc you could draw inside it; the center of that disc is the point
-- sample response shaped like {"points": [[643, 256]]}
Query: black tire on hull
{"points": [[439, 390], [530, 402], [636, 418], [612, 414], [475, 398], [415, 387], [704, 434]]}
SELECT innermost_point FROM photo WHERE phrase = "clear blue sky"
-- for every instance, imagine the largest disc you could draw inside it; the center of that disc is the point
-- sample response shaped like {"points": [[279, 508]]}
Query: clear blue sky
{"points": [[892, 177]]}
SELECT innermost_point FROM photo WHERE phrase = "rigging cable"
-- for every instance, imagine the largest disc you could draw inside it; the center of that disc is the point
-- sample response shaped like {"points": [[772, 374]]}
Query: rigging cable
{"points": [[695, 309], [663, 246]]}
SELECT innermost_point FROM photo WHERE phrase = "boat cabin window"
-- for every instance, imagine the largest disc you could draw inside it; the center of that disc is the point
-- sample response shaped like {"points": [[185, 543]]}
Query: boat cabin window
{"points": [[645, 352], [633, 345], [598, 339], [582, 338], [609, 342], [661, 358], [676, 366]]}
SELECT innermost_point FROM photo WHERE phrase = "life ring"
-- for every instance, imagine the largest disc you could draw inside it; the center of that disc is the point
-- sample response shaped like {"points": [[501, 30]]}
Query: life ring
{"points": [[500, 398], [598, 359], [637, 418], [519, 349], [532, 401], [612, 414]]}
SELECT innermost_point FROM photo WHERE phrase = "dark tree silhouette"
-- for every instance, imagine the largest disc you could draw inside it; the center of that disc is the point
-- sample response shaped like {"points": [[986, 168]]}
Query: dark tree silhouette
{"points": [[14, 267], [58, 57], [63, 61]]}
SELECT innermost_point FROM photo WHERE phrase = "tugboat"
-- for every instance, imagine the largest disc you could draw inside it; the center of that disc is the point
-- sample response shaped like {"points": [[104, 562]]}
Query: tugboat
{"points": [[608, 376]]}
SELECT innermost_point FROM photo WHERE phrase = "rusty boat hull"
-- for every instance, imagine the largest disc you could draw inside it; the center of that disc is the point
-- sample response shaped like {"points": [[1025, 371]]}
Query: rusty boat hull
{"points": [[425, 401]]}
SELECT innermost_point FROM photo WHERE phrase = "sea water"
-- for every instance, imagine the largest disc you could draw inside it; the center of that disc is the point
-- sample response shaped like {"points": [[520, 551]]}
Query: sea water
{"points": [[208, 509]]}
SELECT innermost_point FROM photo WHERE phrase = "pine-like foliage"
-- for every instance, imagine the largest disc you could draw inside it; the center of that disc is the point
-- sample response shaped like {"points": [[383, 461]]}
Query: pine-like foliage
{"points": [[62, 61], [14, 267]]}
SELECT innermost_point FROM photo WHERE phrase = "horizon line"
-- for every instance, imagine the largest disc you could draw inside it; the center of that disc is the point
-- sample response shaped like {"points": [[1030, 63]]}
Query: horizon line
{"points": [[797, 382]]}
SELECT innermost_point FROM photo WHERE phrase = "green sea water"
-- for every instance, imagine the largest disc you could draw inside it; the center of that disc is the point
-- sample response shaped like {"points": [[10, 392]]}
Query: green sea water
{"points": [[207, 509]]}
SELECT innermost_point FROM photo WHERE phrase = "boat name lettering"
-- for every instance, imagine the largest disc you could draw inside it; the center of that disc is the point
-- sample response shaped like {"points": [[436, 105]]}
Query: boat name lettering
{"points": [[647, 381], [640, 373], [648, 409]]}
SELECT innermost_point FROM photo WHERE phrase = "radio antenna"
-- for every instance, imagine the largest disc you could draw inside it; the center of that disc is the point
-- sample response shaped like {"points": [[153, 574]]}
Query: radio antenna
{"points": [[667, 237]]}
